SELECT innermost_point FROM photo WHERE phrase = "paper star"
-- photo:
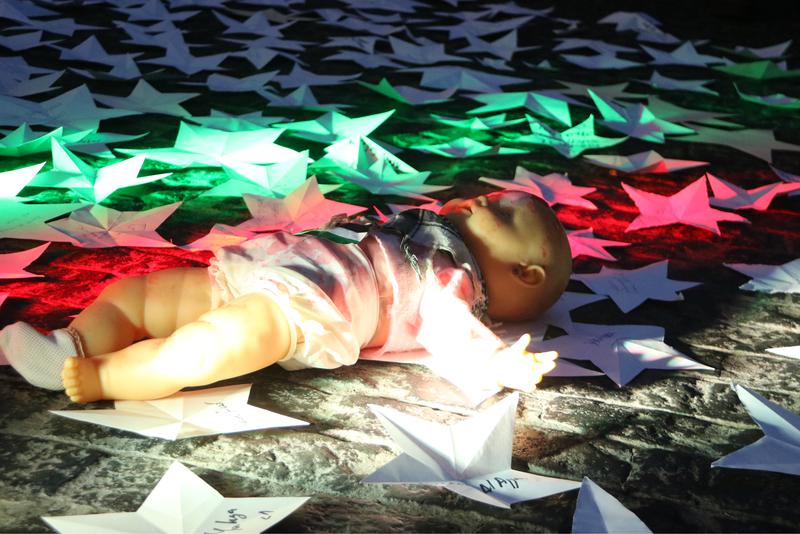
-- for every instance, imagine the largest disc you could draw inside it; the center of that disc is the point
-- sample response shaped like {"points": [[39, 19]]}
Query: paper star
{"points": [[775, 100], [32, 86], [542, 104], [13, 265], [365, 60], [332, 126], [558, 315], [95, 185], [770, 278], [471, 27], [146, 99], [649, 162], [302, 97], [689, 206], [100, 227], [465, 147], [788, 352], [490, 122], [14, 181], [471, 458], [426, 53], [305, 208], [730, 196], [659, 81], [597, 511], [584, 243], [411, 96], [779, 449], [609, 92], [231, 84], [636, 120], [196, 146], [363, 162], [685, 54], [232, 123], [92, 50], [759, 70], [183, 502], [630, 288], [601, 47], [27, 221], [569, 143], [220, 235], [447, 76], [503, 47], [300, 77], [178, 55], [154, 10], [622, 352], [600, 61], [671, 112], [187, 414], [74, 109], [554, 188], [758, 143], [276, 180], [767, 52]]}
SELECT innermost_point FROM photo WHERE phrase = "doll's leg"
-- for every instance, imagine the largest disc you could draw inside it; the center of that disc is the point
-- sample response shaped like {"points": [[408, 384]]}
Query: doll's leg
{"points": [[146, 306], [245, 335]]}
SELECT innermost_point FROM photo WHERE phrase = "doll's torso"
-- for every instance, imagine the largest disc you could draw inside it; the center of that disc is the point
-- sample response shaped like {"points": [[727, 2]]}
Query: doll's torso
{"points": [[376, 285]]}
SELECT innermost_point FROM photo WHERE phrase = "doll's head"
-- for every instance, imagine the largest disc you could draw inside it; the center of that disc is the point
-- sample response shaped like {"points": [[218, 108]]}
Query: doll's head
{"points": [[521, 249]]}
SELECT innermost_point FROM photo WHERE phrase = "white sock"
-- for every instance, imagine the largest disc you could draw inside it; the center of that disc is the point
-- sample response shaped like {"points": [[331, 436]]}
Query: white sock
{"points": [[39, 358]]}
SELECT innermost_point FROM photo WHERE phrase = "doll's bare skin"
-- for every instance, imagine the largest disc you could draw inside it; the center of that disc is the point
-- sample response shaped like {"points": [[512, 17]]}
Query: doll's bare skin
{"points": [[148, 336]]}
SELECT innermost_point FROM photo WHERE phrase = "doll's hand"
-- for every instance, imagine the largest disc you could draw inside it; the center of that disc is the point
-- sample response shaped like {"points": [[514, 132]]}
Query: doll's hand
{"points": [[514, 367]]}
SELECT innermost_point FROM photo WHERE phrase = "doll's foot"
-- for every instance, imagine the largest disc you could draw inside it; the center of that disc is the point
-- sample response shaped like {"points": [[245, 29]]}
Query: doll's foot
{"points": [[81, 380]]}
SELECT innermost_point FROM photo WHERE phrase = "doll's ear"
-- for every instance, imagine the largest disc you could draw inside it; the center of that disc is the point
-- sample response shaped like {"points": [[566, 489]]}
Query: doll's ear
{"points": [[530, 275]]}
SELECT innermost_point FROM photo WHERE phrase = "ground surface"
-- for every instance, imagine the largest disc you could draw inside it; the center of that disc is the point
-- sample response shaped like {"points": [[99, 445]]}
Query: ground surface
{"points": [[650, 443]]}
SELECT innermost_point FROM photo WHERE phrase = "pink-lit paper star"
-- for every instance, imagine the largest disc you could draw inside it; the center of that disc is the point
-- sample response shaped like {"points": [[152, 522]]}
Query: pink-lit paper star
{"points": [[305, 208], [583, 242], [13, 265], [688, 206], [554, 188], [630, 288], [730, 196]]}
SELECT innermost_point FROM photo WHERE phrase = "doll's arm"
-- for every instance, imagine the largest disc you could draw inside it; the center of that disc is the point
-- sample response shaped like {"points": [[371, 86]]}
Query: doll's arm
{"points": [[458, 340]]}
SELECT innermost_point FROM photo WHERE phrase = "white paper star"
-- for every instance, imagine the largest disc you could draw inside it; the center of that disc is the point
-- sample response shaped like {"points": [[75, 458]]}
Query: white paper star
{"points": [[770, 278], [630, 288], [621, 351]]}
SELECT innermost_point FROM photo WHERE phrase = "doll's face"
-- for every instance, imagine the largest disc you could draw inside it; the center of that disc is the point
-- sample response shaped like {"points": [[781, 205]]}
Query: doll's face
{"points": [[520, 247]]}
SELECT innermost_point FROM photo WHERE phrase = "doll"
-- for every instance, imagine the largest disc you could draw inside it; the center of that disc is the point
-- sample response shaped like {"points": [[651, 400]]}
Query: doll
{"points": [[421, 279]]}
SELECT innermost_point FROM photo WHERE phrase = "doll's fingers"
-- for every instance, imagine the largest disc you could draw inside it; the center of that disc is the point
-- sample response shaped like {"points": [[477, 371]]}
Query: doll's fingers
{"points": [[548, 356], [522, 343]]}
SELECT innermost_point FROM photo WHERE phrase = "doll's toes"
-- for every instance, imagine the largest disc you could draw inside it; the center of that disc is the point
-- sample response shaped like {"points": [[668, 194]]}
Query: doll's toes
{"points": [[79, 376]]}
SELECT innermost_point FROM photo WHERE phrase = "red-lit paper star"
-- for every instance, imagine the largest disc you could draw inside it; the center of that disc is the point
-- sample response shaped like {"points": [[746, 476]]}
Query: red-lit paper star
{"points": [[554, 188], [688, 206], [583, 242], [305, 208]]}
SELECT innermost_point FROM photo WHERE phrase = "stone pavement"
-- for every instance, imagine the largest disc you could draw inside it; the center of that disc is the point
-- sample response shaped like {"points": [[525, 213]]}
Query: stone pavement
{"points": [[649, 444]]}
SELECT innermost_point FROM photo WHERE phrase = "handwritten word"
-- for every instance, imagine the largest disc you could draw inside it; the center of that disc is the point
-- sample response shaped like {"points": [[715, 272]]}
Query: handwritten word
{"points": [[597, 340], [233, 522], [623, 285], [222, 409], [498, 483]]}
